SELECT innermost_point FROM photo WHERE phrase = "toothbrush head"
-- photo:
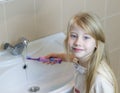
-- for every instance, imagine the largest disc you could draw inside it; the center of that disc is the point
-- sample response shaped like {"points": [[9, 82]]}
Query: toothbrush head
{"points": [[29, 58]]}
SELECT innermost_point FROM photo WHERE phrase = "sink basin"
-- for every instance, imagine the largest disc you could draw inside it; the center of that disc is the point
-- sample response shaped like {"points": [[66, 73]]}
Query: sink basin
{"points": [[25, 76]]}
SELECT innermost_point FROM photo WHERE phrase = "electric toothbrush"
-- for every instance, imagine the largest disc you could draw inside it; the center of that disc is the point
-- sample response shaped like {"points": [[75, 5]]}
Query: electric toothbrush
{"points": [[43, 59]]}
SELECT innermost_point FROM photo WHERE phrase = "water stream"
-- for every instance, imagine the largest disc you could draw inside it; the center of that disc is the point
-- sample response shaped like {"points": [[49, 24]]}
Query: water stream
{"points": [[32, 89], [24, 55]]}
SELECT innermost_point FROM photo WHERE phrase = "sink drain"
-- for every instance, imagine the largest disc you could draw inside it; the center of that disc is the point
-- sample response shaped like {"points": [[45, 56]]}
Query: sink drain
{"points": [[34, 89]]}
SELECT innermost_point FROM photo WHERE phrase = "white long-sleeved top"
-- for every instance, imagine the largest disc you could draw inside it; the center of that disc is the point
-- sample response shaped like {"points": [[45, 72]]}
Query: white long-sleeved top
{"points": [[102, 83]]}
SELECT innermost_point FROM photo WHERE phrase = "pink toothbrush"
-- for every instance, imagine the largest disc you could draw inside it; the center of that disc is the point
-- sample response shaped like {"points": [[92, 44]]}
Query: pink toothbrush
{"points": [[43, 59]]}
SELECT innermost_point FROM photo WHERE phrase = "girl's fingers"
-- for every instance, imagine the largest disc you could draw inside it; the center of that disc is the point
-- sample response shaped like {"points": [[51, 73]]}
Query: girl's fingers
{"points": [[49, 63], [51, 55]]}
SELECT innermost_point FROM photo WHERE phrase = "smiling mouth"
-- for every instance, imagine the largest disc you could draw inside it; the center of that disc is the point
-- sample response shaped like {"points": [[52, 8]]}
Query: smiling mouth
{"points": [[77, 49]]}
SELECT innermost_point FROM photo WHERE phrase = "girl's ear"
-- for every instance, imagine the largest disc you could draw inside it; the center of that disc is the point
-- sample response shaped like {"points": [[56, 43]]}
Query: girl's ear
{"points": [[96, 44], [95, 48]]}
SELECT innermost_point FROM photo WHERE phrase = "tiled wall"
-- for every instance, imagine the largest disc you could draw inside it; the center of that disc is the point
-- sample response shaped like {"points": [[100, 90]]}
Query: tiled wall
{"points": [[37, 18]]}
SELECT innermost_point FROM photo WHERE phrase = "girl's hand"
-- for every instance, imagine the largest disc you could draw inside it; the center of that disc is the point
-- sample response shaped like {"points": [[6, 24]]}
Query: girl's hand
{"points": [[62, 56]]}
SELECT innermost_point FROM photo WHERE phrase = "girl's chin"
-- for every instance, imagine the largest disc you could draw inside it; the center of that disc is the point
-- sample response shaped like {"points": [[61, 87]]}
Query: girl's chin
{"points": [[78, 55]]}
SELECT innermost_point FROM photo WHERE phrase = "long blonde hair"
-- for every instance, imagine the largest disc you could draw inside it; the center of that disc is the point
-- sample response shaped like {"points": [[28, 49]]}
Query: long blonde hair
{"points": [[92, 25]]}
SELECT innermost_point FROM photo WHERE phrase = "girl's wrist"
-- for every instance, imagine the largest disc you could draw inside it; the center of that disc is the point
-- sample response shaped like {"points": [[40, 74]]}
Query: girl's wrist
{"points": [[64, 57]]}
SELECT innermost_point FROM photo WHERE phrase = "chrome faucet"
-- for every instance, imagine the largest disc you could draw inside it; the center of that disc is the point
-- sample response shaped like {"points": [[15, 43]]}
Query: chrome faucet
{"points": [[18, 48]]}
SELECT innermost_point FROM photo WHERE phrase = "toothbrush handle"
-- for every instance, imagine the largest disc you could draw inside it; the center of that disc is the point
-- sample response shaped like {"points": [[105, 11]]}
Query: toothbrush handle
{"points": [[56, 60], [51, 59], [43, 59]]}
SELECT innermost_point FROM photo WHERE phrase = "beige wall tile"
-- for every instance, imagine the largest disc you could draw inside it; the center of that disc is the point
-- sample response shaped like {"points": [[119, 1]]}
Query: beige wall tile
{"points": [[24, 27], [96, 6], [3, 33], [112, 32], [70, 8], [19, 7], [1, 13], [49, 17], [113, 7], [20, 19], [3, 36]]}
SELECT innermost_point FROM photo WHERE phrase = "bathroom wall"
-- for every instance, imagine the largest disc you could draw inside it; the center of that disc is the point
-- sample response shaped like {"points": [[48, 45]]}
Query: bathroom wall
{"points": [[38, 18]]}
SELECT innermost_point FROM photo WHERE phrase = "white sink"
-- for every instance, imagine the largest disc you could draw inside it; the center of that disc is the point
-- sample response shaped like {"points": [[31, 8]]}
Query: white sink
{"points": [[15, 78]]}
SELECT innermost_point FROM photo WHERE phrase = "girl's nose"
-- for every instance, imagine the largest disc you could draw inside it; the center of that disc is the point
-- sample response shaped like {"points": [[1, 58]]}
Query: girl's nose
{"points": [[78, 42]]}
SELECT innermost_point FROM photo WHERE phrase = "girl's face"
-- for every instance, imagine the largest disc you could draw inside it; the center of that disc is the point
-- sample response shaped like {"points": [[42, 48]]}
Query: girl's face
{"points": [[81, 44]]}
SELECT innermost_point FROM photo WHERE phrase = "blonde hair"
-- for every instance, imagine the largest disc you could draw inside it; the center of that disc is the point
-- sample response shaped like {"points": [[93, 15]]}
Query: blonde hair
{"points": [[92, 25]]}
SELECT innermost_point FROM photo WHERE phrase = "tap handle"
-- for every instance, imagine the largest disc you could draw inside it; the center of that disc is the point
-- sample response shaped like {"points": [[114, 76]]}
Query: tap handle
{"points": [[7, 45]]}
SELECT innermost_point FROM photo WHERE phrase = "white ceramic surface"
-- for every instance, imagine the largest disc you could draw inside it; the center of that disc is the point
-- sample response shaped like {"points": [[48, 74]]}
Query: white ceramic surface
{"points": [[14, 78]]}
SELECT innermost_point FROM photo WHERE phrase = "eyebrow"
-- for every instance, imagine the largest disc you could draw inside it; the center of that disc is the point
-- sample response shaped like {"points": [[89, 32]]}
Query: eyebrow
{"points": [[78, 33], [73, 32]]}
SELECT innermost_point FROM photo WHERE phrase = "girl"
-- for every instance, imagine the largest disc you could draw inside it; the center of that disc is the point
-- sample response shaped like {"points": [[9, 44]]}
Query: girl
{"points": [[85, 46]]}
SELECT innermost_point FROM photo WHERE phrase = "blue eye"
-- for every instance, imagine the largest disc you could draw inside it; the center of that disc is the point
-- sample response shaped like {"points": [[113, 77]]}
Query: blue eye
{"points": [[73, 36], [86, 37]]}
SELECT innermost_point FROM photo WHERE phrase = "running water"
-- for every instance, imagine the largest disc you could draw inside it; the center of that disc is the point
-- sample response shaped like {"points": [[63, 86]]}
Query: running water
{"points": [[24, 55], [33, 89]]}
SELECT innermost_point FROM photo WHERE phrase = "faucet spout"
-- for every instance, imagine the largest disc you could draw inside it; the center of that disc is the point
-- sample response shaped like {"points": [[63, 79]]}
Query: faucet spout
{"points": [[24, 41], [18, 48]]}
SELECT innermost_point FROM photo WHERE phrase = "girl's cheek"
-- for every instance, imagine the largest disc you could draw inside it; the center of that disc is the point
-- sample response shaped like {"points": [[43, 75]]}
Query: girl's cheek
{"points": [[91, 45], [70, 42]]}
